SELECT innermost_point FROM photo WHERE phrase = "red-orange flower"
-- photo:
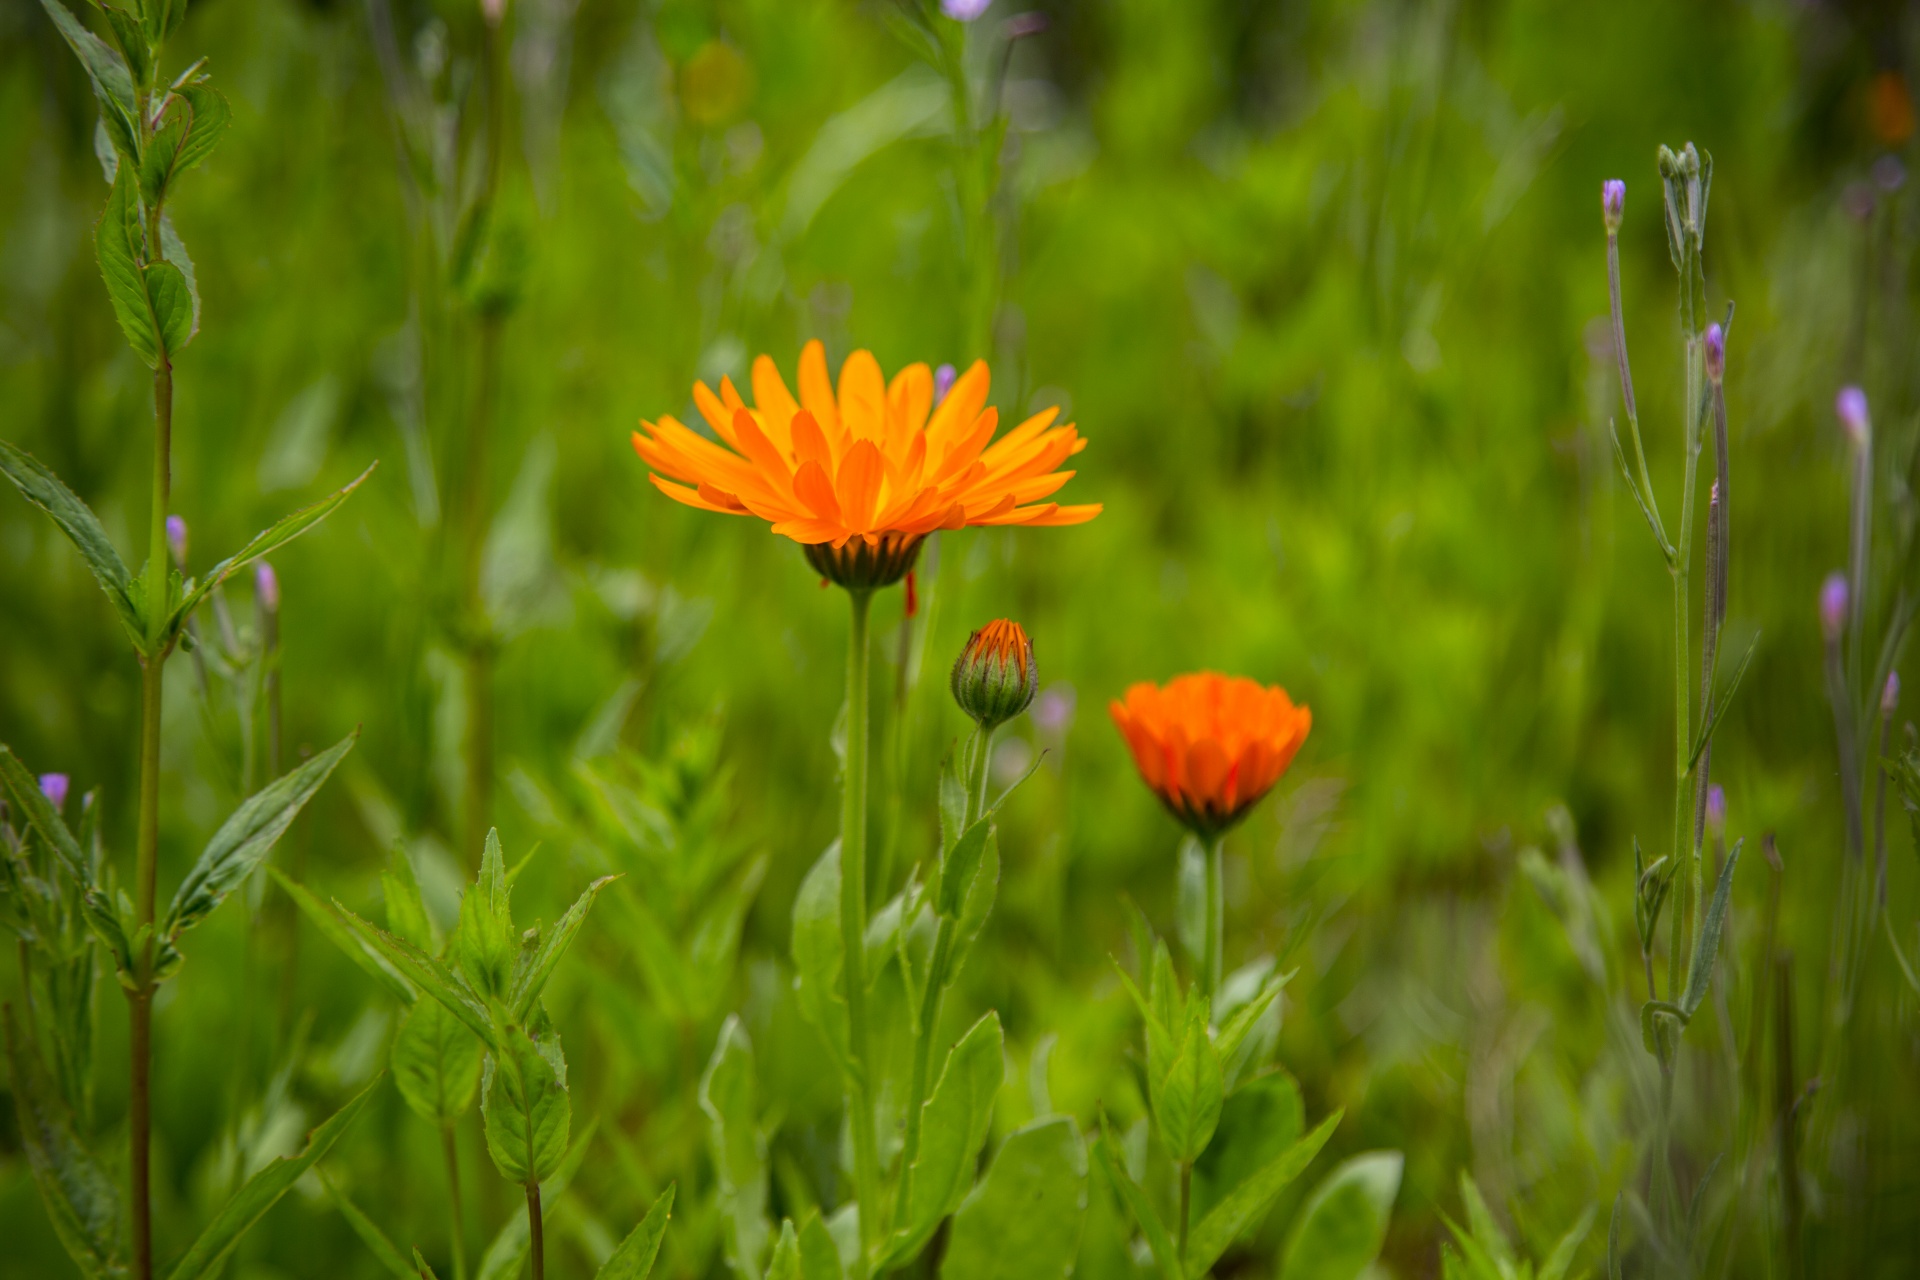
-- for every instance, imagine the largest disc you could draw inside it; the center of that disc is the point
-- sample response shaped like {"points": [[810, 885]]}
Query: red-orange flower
{"points": [[871, 462], [1210, 745]]}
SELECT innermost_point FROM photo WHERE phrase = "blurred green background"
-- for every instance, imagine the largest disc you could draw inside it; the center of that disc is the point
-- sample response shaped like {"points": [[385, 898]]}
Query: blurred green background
{"points": [[1322, 285]]}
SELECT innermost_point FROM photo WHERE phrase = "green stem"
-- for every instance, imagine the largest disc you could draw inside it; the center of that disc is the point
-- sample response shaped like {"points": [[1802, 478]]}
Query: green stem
{"points": [[1186, 1208], [1214, 966], [937, 979], [537, 1245], [456, 1223], [853, 923]]}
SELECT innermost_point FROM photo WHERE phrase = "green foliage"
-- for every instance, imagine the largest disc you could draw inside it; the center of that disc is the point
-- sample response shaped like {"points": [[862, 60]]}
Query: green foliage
{"points": [[728, 1096], [954, 1128], [523, 1096], [1344, 1222], [81, 1199], [633, 1260], [1022, 1222]]}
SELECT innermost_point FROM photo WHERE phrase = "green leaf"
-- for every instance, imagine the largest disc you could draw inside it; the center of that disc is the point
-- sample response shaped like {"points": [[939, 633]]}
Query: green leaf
{"points": [[406, 910], [112, 80], [1210, 1237], [819, 954], [262, 1191], [506, 1255], [172, 304], [1165, 1256], [819, 1256], [715, 946], [1560, 1261], [785, 1263], [132, 39], [655, 951], [953, 803], [957, 875], [211, 116], [117, 242], [527, 983], [43, 489], [383, 1249], [1023, 1221], [175, 252], [1186, 1105], [103, 922], [336, 930], [20, 784], [953, 1127], [436, 1063], [1721, 703], [524, 1102], [426, 973], [1341, 1227], [268, 540], [1485, 1228], [978, 906], [1258, 1122], [246, 837], [483, 947], [1706, 951], [728, 1096], [162, 149], [81, 1199], [1651, 1012], [633, 1260]]}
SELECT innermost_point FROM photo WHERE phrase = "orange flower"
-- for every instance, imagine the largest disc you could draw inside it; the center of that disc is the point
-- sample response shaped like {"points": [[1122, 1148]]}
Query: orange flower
{"points": [[874, 464], [1210, 746]]}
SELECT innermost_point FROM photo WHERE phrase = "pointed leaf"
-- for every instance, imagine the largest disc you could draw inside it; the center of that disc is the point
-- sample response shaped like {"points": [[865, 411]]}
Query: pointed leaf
{"points": [[953, 1127], [1187, 1103], [506, 1255], [1165, 1257], [1258, 1122], [524, 1103], [1722, 702], [406, 910], [43, 489], [81, 1199], [728, 1096], [246, 837], [112, 80], [268, 540], [1023, 1221], [785, 1263], [1706, 950], [116, 241], [1341, 1227], [819, 954], [957, 875], [19, 783], [1246, 1202], [819, 1255], [483, 948], [528, 983], [262, 1191], [633, 1260], [172, 305], [336, 930], [436, 1063], [211, 115], [174, 251], [426, 973], [1560, 1261]]}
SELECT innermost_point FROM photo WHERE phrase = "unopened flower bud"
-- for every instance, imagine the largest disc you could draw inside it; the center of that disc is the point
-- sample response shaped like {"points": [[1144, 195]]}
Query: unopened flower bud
{"points": [[1613, 202], [1833, 607], [266, 586], [964, 10], [177, 541], [943, 378], [1890, 694], [1851, 407], [1716, 345], [995, 677], [54, 787], [1716, 810]]}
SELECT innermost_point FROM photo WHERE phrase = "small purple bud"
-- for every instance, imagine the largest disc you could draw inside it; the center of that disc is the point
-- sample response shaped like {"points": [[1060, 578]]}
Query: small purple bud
{"points": [[1890, 694], [1613, 202], [943, 379], [177, 540], [54, 787], [964, 10], [267, 587], [1022, 25], [1716, 810], [1716, 353], [1833, 607], [1851, 406]]}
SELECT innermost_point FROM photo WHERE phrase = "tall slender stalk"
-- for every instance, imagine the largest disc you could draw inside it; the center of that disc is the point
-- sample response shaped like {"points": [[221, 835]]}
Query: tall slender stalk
{"points": [[456, 1217], [1214, 966], [937, 979], [536, 1236], [853, 919]]}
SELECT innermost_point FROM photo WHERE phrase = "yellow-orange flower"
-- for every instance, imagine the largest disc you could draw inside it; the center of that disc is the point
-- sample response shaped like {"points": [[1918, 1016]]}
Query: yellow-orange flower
{"points": [[871, 462], [1210, 746]]}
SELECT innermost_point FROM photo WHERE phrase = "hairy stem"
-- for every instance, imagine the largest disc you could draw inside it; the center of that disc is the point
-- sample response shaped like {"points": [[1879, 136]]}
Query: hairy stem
{"points": [[853, 920]]}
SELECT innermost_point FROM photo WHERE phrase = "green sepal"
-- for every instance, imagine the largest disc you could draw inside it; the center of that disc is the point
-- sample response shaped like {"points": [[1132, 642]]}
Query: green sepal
{"points": [[246, 837], [262, 1191]]}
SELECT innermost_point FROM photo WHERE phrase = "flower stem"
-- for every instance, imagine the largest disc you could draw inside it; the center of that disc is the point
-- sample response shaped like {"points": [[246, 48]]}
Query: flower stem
{"points": [[1186, 1208], [937, 979], [537, 1245], [853, 922], [456, 1218], [1214, 966]]}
